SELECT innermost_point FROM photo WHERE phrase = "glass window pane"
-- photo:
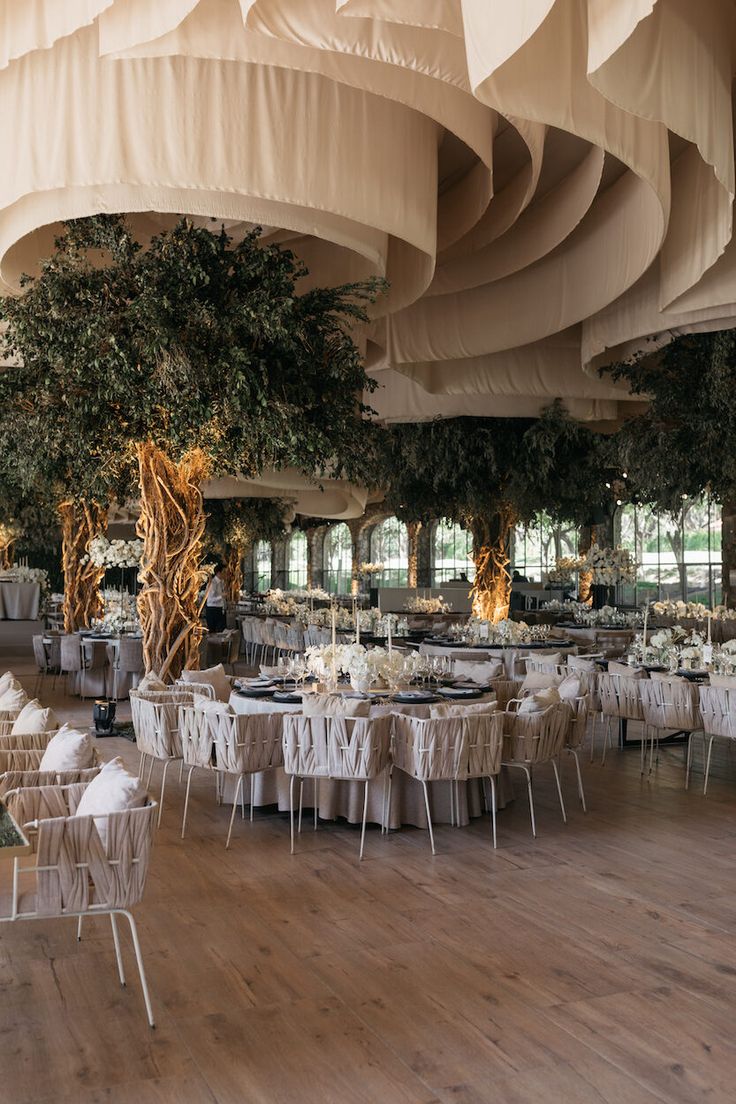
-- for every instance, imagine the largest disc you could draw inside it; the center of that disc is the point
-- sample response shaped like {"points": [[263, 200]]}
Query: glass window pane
{"points": [[338, 559], [296, 563], [452, 549], [390, 546], [262, 564]]}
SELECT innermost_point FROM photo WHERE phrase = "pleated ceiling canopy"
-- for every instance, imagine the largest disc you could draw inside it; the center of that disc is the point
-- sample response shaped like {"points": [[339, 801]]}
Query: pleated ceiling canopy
{"points": [[546, 184]]}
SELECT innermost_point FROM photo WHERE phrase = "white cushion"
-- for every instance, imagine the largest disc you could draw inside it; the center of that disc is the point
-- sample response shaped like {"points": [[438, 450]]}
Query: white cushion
{"points": [[33, 717], [540, 680], [570, 688], [7, 680], [13, 700], [334, 705], [151, 681], [113, 791], [478, 671], [537, 703], [624, 670], [448, 710], [68, 750], [207, 705], [546, 659], [728, 681], [214, 677], [581, 663]]}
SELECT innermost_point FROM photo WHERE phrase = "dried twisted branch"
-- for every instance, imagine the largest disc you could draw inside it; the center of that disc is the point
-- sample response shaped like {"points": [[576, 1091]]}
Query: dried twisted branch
{"points": [[80, 522]]}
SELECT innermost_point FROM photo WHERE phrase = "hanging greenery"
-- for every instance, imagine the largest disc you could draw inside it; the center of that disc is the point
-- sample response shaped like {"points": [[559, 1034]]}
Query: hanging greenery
{"points": [[159, 367], [233, 527]]}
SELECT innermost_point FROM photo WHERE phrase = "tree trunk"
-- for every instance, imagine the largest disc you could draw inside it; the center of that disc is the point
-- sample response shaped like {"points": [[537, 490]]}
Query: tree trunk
{"points": [[80, 522], [413, 529], [171, 526], [233, 574], [585, 578], [7, 554], [728, 552], [492, 587]]}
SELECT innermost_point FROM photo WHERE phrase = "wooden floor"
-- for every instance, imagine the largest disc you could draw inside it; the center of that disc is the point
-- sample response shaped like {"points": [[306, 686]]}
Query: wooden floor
{"points": [[594, 964]]}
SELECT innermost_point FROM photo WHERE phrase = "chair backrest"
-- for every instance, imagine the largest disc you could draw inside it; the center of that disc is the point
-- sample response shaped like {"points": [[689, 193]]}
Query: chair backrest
{"points": [[536, 737], [233, 647], [621, 696], [247, 743], [39, 653], [155, 720], [70, 651], [718, 711], [336, 747], [75, 872], [505, 689], [195, 736], [613, 642], [130, 655], [578, 726], [34, 779], [671, 704], [26, 741], [448, 747]]}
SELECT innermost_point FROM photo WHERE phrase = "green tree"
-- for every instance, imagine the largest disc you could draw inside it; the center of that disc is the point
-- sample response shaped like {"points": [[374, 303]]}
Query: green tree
{"points": [[146, 370]]}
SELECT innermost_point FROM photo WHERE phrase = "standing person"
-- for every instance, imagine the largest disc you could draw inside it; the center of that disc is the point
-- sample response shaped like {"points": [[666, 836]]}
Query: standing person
{"points": [[215, 604]]}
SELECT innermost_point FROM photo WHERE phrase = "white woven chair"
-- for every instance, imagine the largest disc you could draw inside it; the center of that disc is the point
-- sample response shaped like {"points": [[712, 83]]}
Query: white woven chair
{"points": [[669, 705], [197, 744], [355, 749], [576, 735], [531, 739], [8, 717], [449, 749], [73, 873], [620, 698], [246, 744], [718, 713], [156, 727]]}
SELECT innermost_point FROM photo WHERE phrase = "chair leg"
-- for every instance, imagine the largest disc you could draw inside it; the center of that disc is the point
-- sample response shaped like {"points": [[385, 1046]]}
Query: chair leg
{"points": [[238, 789], [116, 941], [316, 801], [606, 738], [688, 759], [528, 774], [493, 809], [429, 817], [181, 769], [142, 764], [186, 802], [365, 816], [163, 788], [301, 795], [150, 772], [291, 811], [452, 803], [559, 789], [139, 961], [581, 791], [384, 817], [79, 930], [592, 737], [707, 765], [252, 793]]}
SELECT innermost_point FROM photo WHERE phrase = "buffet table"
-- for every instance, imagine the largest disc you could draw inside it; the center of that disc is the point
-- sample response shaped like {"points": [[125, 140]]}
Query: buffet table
{"points": [[19, 601], [345, 799], [509, 653]]}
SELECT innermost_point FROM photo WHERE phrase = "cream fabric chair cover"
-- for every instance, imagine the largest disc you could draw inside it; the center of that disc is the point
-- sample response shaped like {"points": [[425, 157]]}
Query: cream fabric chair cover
{"points": [[531, 739], [718, 714], [17, 779], [156, 726], [28, 741], [669, 705]]}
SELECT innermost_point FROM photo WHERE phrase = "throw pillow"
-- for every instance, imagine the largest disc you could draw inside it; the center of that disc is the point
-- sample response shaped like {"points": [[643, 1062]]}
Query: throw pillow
{"points": [[113, 791]]}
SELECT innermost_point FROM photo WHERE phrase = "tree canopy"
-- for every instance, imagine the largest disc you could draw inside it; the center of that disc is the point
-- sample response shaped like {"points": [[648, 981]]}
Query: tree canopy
{"points": [[195, 341], [240, 522]]}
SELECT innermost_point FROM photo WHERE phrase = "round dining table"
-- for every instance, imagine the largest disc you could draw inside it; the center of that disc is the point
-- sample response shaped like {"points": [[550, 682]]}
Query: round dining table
{"points": [[340, 798], [508, 653]]}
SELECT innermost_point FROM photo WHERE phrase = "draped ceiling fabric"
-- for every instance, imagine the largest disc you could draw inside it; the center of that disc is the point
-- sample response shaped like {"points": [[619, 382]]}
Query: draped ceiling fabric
{"points": [[547, 185]]}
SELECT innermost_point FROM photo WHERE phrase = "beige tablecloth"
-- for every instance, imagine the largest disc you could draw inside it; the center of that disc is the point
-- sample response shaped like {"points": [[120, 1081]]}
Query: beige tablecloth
{"points": [[19, 601], [345, 799]]}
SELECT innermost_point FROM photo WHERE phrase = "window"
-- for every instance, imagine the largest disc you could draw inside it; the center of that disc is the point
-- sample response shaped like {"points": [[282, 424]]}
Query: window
{"points": [[262, 566], [390, 546], [338, 560], [679, 557], [535, 548], [296, 560], [452, 549]]}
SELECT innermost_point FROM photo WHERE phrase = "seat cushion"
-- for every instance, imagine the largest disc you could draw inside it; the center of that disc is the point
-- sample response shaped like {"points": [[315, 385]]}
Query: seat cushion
{"points": [[151, 681], [213, 708], [537, 703], [334, 705], [582, 663], [7, 680], [214, 677], [34, 717], [68, 750], [113, 791], [478, 671], [477, 708], [570, 688], [13, 699]]}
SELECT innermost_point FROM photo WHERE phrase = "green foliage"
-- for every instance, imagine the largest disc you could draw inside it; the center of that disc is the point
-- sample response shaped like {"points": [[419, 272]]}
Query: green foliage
{"points": [[194, 341], [240, 522], [681, 444], [469, 468]]}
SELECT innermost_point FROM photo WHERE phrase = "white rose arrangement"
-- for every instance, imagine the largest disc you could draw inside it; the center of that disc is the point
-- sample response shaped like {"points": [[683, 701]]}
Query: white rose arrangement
{"points": [[117, 553], [417, 604], [370, 568], [609, 566]]}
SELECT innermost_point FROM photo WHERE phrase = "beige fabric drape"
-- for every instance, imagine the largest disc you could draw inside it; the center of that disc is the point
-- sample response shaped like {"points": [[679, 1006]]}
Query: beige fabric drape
{"points": [[517, 171]]}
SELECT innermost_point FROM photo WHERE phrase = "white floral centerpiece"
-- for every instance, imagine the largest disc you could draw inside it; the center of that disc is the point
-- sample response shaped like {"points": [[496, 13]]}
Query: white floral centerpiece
{"points": [[417, 604], [364, 666], [120, 613], [609, 566], [561, 575], [117, 553], [569, 605], [370, 568], [608, 615]]}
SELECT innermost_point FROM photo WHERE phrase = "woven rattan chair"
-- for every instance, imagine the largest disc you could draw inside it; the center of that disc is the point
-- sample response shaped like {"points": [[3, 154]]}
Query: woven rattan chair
{"points": [[449, 749], [718, 713], [126, 659], [156, 725], [354, 749], [197, 747], [620, 699], [576, 735], [246, 744], [48, 660], [73, 873], [531, 739], [669, 705]]}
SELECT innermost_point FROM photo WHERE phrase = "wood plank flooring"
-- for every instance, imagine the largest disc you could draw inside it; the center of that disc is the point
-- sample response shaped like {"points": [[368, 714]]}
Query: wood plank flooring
{"points": [[595, 965]]}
